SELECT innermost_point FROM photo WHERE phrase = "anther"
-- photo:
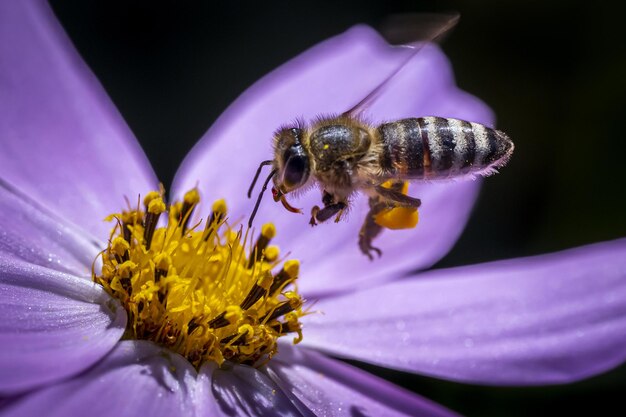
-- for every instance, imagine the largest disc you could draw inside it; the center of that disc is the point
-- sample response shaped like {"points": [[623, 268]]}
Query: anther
{"points": [[285, 327], [239, 338], [218, 213], [282, 309], [190, 200], [272, 252], [289, 326], [156, 206], [162, 264], [125, 272], [228, 339], [129, 219], [119, 248], [219, 321], [193, 325], [259, 289], [287, 274], [152, 195], [231, 315], [268, 231]]}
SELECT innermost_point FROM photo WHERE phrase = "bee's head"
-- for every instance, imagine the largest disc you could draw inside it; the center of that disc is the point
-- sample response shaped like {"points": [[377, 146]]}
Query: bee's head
{"points": [[290, 159], [291, 168]]}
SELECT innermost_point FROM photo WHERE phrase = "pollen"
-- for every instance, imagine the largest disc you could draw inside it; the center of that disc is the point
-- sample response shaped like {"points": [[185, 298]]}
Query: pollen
{"points": [[396, 218], [207, 291]]}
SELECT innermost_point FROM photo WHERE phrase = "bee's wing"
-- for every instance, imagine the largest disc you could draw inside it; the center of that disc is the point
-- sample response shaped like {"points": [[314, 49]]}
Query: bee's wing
{"points": [[407, 31]]}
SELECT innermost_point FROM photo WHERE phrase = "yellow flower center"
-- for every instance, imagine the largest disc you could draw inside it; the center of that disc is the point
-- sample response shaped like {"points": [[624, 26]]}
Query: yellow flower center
{"points": [[206, 292]]}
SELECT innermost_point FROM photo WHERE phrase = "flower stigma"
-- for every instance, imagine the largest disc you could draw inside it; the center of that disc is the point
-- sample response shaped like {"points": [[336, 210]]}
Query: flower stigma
{"points": [[207, 293]]}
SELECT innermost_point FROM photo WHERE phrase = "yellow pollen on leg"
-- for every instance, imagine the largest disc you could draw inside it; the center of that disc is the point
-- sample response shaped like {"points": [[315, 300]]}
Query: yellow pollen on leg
{"points": [[396, 218], [203, 289]]}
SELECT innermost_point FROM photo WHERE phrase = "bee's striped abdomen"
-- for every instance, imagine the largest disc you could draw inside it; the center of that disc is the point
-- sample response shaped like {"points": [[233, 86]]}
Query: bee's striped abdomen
{"points": [[403, 150], [437, 147]]}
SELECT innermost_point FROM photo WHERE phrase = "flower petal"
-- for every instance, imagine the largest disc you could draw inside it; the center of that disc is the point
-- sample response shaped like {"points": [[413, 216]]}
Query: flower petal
{"points": [[547, 319], [35, 235], [137, 378], [53, 324], [241, 390], [330, 78], [63, 142], [331, 388]]}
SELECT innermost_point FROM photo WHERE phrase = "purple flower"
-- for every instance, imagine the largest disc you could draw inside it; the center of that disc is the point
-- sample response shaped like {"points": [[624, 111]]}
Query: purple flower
{"points": [[67, 158]]}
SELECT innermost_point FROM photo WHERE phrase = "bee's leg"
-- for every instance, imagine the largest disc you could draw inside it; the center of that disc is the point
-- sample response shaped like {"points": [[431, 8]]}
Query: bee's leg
{"points": [[330, 209], [389, 196], [370, 228], [319, 215], [395, 196], [338, 216]]}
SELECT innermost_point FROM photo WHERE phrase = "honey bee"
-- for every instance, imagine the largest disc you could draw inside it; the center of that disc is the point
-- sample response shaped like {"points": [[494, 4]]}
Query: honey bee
{"points": [[343, 155]]}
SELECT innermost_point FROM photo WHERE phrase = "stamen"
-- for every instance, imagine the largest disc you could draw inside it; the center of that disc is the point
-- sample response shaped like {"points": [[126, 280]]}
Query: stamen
{"points": [[289, 273], [219, 321], [120, 247], [152, 195], [291, 325], [218, 214], [283, 308], [268, 231], [193, 325], [155, 206], [259, 289], [189, 202], [129, 220], [162, 263], [125, 272], [206, 295]]}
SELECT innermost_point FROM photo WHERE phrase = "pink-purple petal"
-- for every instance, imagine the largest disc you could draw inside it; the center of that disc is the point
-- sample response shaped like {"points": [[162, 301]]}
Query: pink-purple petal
{"points": [[331, 388], [31, 233], [137, 378], [330, 78], [548, 319], [63, 141], [241, 390], [53, 324], [206, 403]]}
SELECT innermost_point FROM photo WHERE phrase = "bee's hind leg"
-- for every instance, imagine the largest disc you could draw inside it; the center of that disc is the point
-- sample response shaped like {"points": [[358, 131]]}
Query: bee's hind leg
{"points": [[395, 195], [330, 209], [389, 196], [371, 229]]}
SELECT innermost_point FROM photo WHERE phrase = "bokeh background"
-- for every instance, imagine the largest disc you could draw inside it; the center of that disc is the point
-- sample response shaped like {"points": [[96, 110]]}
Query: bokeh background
{"points": [[553, 71]]}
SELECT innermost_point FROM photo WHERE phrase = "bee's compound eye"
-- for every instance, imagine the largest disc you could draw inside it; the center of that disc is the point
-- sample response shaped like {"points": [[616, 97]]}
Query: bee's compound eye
{"points": [[296, 169]]}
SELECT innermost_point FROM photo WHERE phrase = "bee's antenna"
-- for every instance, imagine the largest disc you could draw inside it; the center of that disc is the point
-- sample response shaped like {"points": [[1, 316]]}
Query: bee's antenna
{"points": [[258, 200], [256, 176]]}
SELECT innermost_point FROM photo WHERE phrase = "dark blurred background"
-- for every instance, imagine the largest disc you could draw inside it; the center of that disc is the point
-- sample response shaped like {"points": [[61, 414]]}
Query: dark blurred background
{"points": [[553, 71]]}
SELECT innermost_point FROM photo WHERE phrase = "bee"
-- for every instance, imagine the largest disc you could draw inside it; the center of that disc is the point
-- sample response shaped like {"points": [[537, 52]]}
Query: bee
{"points": [[344, 155]]}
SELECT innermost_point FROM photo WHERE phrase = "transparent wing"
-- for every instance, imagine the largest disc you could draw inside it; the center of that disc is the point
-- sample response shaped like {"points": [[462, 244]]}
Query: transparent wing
{"points": [[412, 31]]}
